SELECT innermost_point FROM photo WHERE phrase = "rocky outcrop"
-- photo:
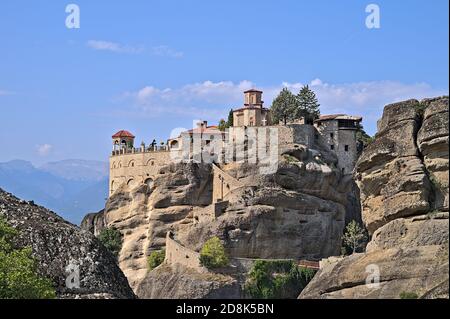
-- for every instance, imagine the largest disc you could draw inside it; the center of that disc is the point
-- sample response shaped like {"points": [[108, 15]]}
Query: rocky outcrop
{"points": [[432, 140], [297, 211], [178, 282], [94, 222], [419, 270], [57, 244], [403, 178], [390, 173], [145, 214], [302, 203]]}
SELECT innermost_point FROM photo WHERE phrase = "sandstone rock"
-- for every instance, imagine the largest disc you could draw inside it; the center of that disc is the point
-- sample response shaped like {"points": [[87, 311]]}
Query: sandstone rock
{"points": [[145, 214], [56, 244], [303, 202], [390, 173], [176, 282], [416, 269], [427, 230], [433, 141], [94, 222], [404, 198]]}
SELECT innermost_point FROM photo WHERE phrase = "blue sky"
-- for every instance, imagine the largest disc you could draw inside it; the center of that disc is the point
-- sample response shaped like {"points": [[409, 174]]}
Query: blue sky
{"points": [[153, 66]]}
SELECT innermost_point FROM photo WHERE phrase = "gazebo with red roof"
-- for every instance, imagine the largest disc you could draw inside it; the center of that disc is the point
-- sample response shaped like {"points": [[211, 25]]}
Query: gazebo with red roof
{"points": [[123, 139]]}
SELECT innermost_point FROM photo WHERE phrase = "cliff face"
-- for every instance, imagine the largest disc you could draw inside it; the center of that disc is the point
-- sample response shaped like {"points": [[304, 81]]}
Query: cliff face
{"points": [[56, 244], [403, 179], [145, 214], [297, 212]]}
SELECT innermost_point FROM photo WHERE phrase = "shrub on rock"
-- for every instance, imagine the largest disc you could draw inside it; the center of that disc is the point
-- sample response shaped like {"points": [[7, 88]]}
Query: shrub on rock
{"points": [[111, 238], [213, 254], [156, 258]]}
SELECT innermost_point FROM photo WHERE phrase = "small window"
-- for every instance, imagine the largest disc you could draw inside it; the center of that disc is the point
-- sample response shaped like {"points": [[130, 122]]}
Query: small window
{"points": [[346, 148], [343, 171], [332, 147], [332, 135]]}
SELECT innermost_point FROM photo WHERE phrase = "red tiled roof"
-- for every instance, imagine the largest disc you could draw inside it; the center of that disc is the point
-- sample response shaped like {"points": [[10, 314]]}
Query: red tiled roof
{"points": [[338, 116], [209, 129], [123, 133]]}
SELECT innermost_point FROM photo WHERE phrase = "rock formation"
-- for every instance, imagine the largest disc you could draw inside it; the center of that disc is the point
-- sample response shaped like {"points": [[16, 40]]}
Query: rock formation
{"points": [[403, 179], [56, 244], [298, 211]]}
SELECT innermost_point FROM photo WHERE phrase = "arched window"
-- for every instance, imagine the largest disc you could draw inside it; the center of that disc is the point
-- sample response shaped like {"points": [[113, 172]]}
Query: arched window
{"points": [[131, 183], [174, 144], [112, 187], [131, 163]]}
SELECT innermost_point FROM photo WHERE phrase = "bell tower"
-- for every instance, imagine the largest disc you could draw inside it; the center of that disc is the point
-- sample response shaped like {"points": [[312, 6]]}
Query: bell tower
{"points": [[123, 139], [253, 98]]}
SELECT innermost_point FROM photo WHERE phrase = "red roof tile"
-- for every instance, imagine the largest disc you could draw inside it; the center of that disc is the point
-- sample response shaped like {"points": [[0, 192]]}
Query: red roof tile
{"points": [[338, 117], [123, 133], [209, 129]]}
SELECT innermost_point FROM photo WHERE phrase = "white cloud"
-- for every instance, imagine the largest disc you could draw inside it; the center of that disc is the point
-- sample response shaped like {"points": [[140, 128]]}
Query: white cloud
{"points": [[161, 50], [212, 100], [113, 47], [164, 50], [44, 149]]}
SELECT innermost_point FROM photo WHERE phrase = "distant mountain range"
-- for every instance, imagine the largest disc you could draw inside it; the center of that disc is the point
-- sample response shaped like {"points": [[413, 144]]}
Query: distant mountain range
{"points": [[71, 188]]}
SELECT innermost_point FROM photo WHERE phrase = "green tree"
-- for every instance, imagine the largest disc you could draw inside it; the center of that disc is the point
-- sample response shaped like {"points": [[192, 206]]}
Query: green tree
{"points": [[354, 236], [19, 278], [156, 258], [308, 105], [222, 125], [111, 238], [285, 107], [278, 279], [363, 138], [230, 121], [213, 255]]}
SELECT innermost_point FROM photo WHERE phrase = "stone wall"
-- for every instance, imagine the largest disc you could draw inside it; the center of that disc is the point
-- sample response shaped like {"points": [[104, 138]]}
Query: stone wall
{"points": [[343, 142], [296, 134], [223, 184], [135, 169], [178, 254]]}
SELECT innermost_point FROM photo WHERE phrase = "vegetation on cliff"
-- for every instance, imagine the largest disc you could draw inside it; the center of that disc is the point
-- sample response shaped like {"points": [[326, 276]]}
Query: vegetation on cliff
{"points": [[111, 238], [277, 279], [213, 254], [156, 258], [354, 238], [18, 270]]}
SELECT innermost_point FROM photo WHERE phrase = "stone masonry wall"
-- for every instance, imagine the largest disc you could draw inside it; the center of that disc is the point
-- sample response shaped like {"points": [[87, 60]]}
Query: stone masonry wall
{"points": [[178, 254], [135, 169]]}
